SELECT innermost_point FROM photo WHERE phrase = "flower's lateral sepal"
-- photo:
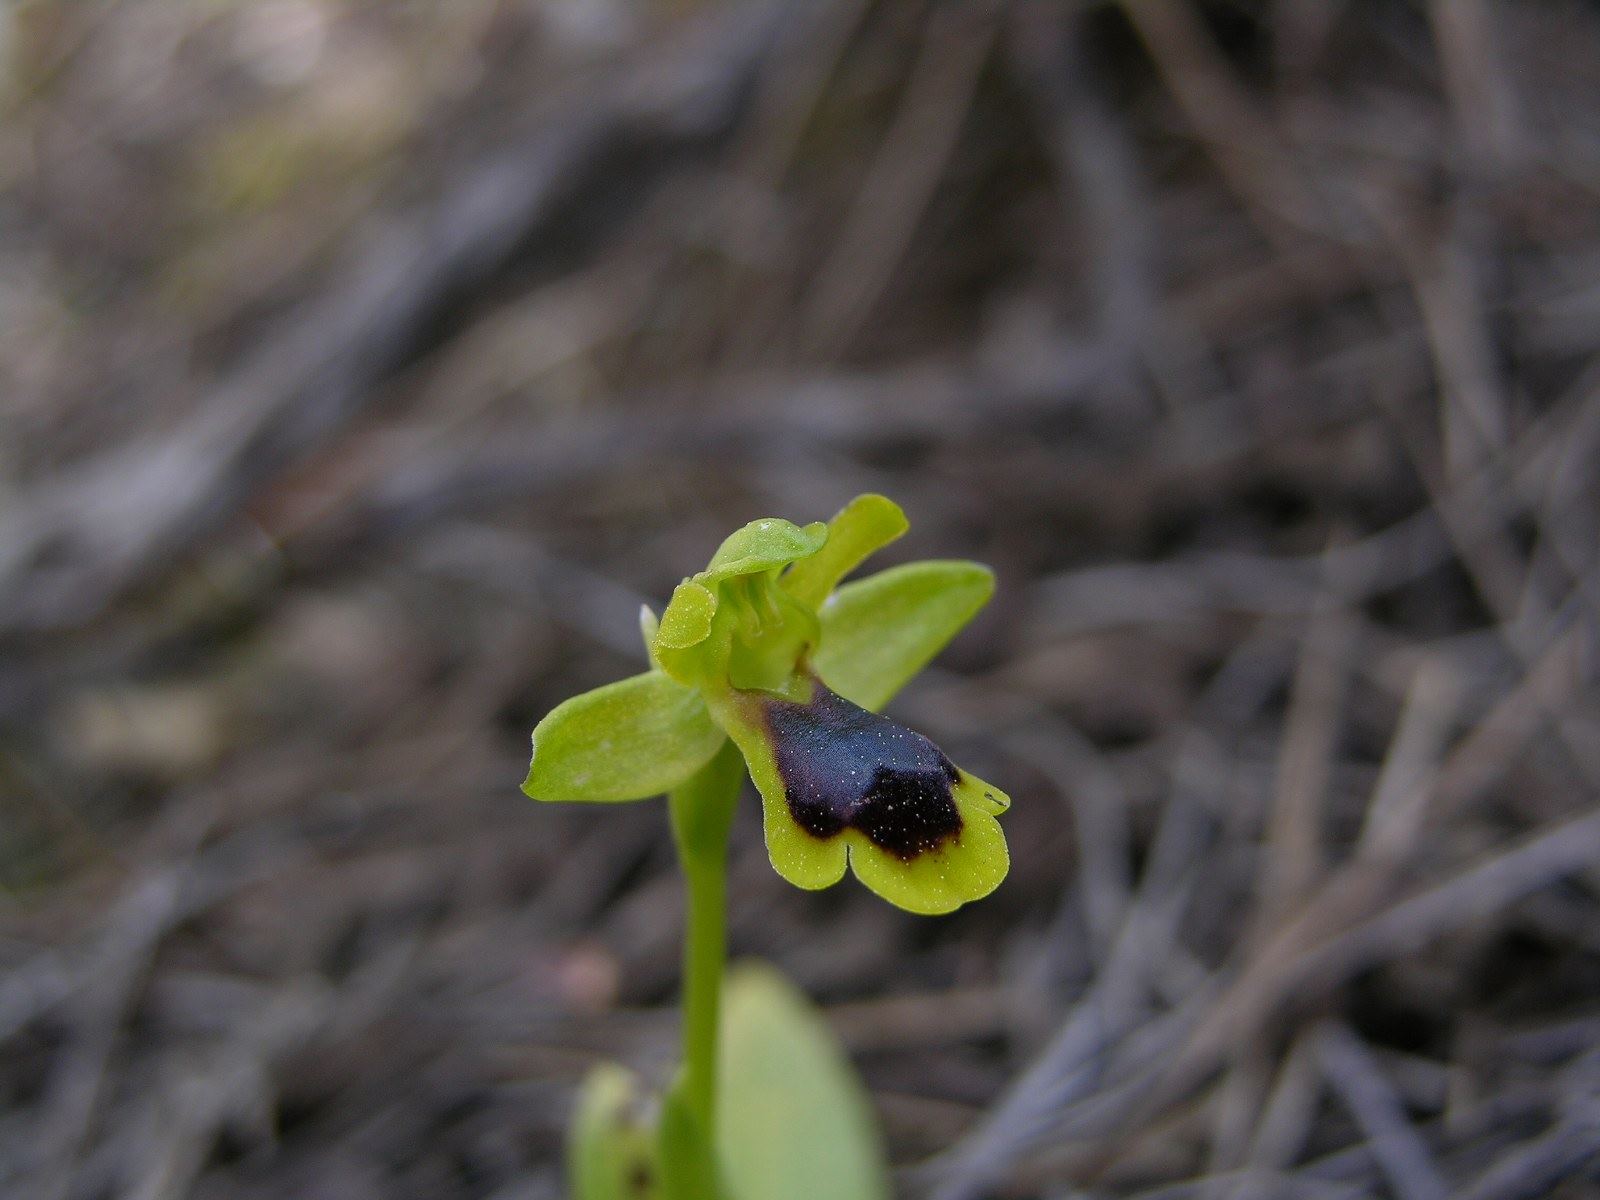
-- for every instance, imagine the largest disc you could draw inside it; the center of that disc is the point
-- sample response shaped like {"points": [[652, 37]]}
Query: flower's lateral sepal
{"points": [[880, 631], [628, 740], [840, 783]]}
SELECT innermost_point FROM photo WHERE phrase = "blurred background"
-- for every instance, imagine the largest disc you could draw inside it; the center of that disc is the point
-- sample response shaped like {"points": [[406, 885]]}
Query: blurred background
{"points": [[366, 366]]}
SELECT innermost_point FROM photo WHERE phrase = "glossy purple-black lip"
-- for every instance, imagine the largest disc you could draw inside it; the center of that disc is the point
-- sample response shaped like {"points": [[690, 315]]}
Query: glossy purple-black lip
{"points": [[846, 768]]}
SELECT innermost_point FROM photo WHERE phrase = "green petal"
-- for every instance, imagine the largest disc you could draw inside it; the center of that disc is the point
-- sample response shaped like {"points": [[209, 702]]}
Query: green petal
{"points": [[794, 1122], [764, 545], [880, 631], [687, 619], [866, 524], [638, 737]]}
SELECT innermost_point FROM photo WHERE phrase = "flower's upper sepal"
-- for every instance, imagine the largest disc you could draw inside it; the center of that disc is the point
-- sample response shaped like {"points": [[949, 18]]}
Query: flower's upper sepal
{"points": [[764, 545], [841, 784]]}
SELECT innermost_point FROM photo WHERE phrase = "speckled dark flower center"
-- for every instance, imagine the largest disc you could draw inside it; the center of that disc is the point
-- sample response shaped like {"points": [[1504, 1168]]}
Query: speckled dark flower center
{"points": [[844, 767]]}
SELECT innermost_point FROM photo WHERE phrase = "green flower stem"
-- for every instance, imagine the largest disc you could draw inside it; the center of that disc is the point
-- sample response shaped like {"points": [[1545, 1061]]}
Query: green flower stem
{"points": [[702, 811]]}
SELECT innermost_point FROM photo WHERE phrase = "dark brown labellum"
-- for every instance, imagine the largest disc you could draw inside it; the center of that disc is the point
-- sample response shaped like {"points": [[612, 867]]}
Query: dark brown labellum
{"points": [[844, 767]]}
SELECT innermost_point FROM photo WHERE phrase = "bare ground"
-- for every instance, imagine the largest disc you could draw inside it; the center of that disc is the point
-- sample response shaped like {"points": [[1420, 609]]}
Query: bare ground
{"points": [[365, 368]]}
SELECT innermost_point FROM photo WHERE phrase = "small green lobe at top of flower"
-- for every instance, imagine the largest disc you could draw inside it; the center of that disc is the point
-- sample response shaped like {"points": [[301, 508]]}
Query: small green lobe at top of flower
{"points": [[764, 545]]}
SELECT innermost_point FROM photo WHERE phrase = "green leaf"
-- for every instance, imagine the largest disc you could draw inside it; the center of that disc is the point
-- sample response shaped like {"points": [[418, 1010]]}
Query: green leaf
{"points": [[609, 1151], [763, 545], [866, 524], [638, 737], [688, 1168], [794, 1123], [880, 631]]}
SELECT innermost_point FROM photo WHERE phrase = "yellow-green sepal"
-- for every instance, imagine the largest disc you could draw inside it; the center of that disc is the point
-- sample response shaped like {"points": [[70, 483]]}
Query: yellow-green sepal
{"points": [[764, 545], [880, 631], [628, 740]]}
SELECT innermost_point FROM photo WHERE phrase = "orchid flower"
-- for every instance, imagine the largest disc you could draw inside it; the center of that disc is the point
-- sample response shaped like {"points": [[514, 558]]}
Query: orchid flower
{"points": [[767, 648]]}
